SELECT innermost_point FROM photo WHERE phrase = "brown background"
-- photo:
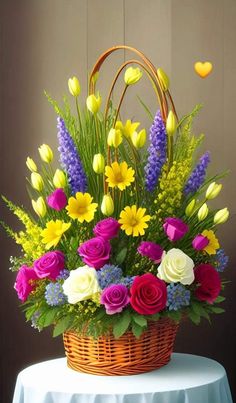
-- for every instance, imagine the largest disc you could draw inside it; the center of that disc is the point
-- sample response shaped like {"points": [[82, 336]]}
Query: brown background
{"points": [[43, 43]]}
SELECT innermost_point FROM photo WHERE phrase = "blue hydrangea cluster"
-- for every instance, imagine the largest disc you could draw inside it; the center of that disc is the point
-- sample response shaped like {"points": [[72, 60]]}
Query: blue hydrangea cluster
{"points": [[156, 151], [63, 275], [109, 274], [54, 294], [198, 175], [177, 296], [70, 160], [221, 260], [127, 281]]}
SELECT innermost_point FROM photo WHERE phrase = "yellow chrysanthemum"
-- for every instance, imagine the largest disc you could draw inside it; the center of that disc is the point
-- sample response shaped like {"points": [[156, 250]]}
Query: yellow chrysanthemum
{"points": [[119, 175], [53, 232], [128, 128], [133, 221], [213, 244], [81, 207]]}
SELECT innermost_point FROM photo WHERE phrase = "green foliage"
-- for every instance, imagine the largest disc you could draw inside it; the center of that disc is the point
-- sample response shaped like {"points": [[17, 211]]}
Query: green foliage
{"points": [[122, 324]]}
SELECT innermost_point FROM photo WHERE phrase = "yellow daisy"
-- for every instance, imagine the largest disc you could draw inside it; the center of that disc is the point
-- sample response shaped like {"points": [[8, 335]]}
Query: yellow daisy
{"points": [[81, 207], [53, 232], [133, 221], [119, 175], [213, 244]]}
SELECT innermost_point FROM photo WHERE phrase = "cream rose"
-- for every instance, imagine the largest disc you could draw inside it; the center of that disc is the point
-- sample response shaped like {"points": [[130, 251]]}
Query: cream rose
{"points": [[176, 267], [81, 284]]}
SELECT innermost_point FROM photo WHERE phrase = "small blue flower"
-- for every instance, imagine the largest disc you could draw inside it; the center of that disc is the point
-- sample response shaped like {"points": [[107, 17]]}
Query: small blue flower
{"points": [[63, 274], [127, 281], [177, 296], [221, 260], [109, 274], [34, 321], [54, 294]]}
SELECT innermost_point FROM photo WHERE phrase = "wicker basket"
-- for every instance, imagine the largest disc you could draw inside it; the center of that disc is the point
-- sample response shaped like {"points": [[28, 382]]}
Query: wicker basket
{"points": [[124, 356]]}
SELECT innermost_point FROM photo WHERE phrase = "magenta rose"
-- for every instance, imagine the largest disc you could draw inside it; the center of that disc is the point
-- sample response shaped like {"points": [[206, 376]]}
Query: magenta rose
{"points": [[115, 298], [95, 252], [208, 283], [148, 294], [25, 282], [57, 200], [50, 265], [175, 228], [107, 228], [152, 250], [200, 242]]}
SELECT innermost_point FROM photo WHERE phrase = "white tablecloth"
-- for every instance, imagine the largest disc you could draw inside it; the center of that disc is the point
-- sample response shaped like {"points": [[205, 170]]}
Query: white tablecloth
{"points": [[186, 379]]}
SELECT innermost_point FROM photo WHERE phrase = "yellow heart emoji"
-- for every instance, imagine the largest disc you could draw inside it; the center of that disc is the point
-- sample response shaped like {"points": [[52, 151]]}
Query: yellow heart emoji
{"points": [[203, 69]]}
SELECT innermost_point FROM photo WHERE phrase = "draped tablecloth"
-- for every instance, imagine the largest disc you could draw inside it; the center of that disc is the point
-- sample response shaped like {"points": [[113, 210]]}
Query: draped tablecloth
{"points": [[186, 379]]}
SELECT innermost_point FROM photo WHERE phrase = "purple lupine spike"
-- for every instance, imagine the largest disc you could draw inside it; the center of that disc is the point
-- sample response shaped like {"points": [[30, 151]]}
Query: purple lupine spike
{"points": [[157, 152], [197, 177], [70, 160]]}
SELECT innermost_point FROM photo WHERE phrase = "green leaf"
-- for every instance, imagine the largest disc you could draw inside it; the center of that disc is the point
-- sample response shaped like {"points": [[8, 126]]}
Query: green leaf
{"points": [[137, 330], [122, 324], [150, 115], [49, 316], [62, 325], [195, 318], [216, 309], [30, 311], [139, 319], [175, 315], [121, 255], [219, 299]]}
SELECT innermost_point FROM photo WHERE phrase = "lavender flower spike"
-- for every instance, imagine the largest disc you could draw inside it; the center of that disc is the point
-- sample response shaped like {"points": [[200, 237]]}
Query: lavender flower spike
{"points": [[70, 160], [197, 177], [157, 152]]}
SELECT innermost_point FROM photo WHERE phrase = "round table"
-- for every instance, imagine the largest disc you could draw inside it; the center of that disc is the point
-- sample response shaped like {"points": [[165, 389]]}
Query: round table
{"points": [[187, 378]]}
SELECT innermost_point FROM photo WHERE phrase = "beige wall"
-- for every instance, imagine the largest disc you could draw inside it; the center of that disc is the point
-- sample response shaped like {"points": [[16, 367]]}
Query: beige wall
{"points": [[45, 42]]}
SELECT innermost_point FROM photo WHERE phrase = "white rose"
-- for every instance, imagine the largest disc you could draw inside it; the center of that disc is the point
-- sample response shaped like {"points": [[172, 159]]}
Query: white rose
{"points": [[81, 284], [176, 267]]}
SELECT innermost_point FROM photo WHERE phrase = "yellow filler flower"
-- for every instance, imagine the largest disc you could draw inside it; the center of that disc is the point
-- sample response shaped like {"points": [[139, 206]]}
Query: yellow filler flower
{"points": [[53, 232], [213, 244], [119, 175], [81, 207], [133, 220]]}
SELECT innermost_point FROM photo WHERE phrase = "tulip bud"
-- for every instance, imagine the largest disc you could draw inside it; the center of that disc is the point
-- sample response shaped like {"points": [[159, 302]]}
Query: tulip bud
{"points": [[31, 164], [132, 75], [114, 138], [139, 139], [39, 207], [107, 206], [46, 153], [164, 79], [98, 163], [37, 181], [74, 86], [93, 103], [221, 216], [190, 207], [59, 179], [213, 190], [170, 124], [203, 212]]}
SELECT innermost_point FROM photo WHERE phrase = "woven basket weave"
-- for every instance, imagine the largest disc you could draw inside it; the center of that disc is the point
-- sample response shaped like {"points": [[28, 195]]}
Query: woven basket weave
{"points": [[124, 356]]}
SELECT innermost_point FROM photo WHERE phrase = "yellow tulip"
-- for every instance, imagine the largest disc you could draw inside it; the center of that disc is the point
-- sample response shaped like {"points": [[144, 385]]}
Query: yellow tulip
{"points": [[59, 179], [45, 153], [170, 124], [132, 75], [221, 216], [39, 207], [37, 181], [213, 190], [190, 207], [31, 164], [93, 103], [74, 86], [139, 139], [107, 206], [128, 128], [164, 79], [98, 163], [114, 138], [203, 212]]}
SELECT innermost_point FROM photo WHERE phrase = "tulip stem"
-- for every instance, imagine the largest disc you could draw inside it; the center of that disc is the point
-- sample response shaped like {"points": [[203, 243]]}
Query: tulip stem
{"points": [[78, 111], [119, 105], [170, 151]]}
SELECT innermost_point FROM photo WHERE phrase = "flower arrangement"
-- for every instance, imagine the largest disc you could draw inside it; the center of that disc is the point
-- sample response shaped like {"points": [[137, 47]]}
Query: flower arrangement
{"points": [[120, 233]]}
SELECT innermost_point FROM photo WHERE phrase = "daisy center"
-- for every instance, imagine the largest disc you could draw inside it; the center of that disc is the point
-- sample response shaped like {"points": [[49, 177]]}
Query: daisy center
{"points": [[119, 177]]}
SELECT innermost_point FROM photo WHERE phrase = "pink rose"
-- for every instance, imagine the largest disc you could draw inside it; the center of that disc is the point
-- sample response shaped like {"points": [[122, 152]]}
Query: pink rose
{"points": [[50, 264], [25, 282], [200, 242], [208, 283], [95, 252], [107, 228], [175, 228], [152, 250], [115, 298], [57, 200]]}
